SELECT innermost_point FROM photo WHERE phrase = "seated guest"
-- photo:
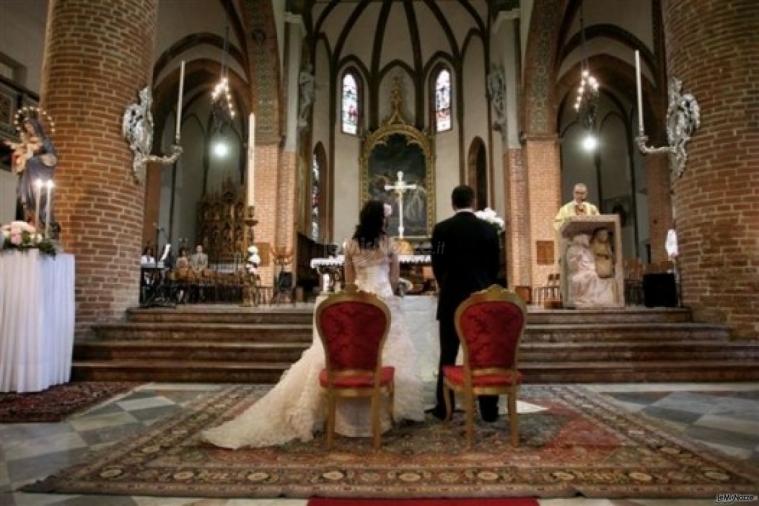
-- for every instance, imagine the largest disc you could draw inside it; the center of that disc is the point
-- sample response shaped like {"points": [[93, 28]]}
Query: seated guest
{"points": [[577, 207], [183, 261], [148, 256], [199, 260]]}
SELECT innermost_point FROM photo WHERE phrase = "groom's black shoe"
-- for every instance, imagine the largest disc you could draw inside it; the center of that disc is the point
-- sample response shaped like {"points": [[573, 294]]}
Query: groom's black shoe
{"points": [[437, 412], [489, 413]]}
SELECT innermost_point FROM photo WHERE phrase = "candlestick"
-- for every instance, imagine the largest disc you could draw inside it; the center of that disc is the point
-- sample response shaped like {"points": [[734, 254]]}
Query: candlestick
{"points": [[640, 93], [48, 205], [250, 190], [179, 103], [37, 190]]}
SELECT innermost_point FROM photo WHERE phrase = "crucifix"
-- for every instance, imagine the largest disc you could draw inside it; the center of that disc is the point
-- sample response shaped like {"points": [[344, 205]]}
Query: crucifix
{"points": [[400, 187]]}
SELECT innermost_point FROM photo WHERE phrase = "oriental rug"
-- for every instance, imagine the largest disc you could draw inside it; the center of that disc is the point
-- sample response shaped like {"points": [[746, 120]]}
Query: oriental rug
{"points": [[582, 443], [57, 402]]}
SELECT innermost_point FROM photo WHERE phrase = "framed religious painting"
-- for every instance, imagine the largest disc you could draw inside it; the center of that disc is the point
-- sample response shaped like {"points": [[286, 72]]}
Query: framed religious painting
{"points": [[397, 167]]}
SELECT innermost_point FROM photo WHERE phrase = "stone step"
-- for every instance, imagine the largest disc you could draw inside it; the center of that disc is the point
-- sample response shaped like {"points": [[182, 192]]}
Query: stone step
{"points": [[204, 331], [223, 314], [173, 371], [303, 313], [623, 351], [535, 372], [630, 314], [189, 351], [603, 332], [651, 371], [559, 333]]}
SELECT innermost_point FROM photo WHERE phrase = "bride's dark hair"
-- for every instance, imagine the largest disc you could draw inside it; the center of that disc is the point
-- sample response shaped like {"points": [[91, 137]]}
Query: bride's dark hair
{"points": [[371, 225]]}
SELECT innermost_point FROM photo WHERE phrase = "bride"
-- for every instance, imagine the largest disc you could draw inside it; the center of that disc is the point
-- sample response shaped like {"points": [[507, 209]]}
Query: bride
{"points": [[295, 407]]}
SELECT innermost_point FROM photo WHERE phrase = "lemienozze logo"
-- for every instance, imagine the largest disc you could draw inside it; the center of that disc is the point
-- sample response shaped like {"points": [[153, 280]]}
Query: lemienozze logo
{"points": [[734, 498]]}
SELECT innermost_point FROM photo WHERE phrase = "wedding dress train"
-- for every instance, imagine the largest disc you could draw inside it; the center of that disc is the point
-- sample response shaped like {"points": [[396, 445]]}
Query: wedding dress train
{"points": [[295, 407]]}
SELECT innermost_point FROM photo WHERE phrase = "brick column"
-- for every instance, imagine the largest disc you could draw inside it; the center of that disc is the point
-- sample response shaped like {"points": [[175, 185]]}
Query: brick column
{"points": [[97, 56], [517, 219], [659, 204], [544, 199], [711, 45]]}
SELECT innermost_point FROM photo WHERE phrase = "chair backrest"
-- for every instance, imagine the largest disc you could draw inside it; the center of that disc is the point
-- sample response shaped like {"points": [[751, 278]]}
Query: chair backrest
{"points": [[353, 326], [490, 325]]}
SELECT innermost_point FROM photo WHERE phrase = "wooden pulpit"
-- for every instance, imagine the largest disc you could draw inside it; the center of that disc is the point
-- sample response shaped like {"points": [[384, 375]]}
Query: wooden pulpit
{"points": [[590, 225]]}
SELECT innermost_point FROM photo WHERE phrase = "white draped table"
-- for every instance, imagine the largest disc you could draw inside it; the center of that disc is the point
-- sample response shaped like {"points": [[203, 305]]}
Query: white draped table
{"points": [[36, 320]]}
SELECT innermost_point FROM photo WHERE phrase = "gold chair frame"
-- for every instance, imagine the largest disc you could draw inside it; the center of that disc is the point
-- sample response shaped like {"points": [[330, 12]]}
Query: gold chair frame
{"points": [[494, 293], [352, 294]]}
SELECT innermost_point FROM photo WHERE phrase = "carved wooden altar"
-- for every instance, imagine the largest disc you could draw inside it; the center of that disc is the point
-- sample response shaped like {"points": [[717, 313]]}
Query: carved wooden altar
{"points": [[398, 146], [221, 223]]}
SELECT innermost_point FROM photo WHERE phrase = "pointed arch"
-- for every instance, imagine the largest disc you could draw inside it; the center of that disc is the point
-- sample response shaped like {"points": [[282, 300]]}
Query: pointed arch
{"points": [[477, 172], [318, 178], [441, 98], [351, 101]]}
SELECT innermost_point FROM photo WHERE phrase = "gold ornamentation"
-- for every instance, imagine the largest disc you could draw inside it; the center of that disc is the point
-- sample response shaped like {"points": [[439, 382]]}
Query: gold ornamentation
{"points": [[395, 123]]}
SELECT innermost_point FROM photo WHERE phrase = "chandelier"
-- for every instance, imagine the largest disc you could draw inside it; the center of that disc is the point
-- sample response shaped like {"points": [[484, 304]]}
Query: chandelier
{"points": [[221, 96], [586, 102]]}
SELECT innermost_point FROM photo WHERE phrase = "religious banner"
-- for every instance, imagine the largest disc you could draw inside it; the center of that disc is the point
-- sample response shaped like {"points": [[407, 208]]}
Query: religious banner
{"points": [[397, 167]]}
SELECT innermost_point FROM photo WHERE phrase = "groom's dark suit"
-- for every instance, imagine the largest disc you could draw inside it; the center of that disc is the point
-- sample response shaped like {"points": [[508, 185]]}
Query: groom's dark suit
{"points": [[465, 259]]}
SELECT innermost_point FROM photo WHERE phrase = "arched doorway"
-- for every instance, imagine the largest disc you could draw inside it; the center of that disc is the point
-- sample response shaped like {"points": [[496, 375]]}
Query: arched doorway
{"points": [[477, 176]]}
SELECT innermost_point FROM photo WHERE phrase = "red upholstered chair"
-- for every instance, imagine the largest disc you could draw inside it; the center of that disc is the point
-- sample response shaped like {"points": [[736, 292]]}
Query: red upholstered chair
{"points": [[490, 325], [353, 326]]}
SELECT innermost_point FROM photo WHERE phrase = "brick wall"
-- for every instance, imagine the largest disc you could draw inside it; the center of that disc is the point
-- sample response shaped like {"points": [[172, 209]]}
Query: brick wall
{"points": [[544, 199], [97, 56], [659, 204], [711, 45], [517, 219]]}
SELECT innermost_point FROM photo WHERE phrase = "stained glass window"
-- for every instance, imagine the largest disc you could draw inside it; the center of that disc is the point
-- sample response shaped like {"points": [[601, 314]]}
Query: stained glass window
{"points": [[350, 104], [315, 197], [443, 101]]}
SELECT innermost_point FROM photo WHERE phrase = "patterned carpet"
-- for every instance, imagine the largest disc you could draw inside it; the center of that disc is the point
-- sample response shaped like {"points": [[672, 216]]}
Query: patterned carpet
{"points": [[57, 402], [581, 444]]}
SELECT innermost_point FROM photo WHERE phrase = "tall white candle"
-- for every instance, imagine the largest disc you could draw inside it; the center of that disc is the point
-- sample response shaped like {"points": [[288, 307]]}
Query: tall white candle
{"points": [[179, 102], [640, 92], [250, 189], [37, 191], [48, 206]]}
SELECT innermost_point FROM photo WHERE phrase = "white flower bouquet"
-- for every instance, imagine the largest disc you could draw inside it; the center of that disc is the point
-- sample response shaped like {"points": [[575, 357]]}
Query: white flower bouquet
{"points": [[21, 235], [253, 261], [491, 217]]}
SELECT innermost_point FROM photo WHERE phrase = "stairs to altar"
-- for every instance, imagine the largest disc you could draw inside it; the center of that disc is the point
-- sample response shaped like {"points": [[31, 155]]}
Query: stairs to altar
{"points": [[232, 344]]}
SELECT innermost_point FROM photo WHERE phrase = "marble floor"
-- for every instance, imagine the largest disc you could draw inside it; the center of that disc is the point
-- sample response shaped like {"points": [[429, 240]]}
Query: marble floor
{"points": [[724, 416]]}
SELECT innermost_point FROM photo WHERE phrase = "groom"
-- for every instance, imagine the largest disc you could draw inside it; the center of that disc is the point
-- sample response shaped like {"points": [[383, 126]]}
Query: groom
{"points": [[465, 259]]}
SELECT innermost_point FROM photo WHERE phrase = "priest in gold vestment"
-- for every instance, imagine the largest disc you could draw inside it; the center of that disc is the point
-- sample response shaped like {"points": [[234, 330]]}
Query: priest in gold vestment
{"points": [[577, 207]]}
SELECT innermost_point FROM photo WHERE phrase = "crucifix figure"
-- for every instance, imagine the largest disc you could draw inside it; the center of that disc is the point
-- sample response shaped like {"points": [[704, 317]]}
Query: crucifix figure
{"points": [[400, 187]]}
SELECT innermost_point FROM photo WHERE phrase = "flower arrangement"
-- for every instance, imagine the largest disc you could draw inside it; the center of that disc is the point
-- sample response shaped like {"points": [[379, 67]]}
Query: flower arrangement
{"points": [[253, 261], [21, 235], [491, 217]]}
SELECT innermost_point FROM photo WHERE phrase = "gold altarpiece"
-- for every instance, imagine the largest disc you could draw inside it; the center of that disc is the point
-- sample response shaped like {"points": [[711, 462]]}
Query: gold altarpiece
{"points": [[221, 225], [399, 146]]}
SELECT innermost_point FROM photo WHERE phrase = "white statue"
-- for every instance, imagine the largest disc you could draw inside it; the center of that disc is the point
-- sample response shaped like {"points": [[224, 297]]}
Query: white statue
{"points": [[137, 128], [586, 287], [497, 93], [683, 118], [306, 83]]}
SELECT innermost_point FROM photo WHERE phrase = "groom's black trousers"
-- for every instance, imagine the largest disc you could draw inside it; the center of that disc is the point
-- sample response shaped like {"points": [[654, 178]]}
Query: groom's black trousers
{"points": [[449, 348]]}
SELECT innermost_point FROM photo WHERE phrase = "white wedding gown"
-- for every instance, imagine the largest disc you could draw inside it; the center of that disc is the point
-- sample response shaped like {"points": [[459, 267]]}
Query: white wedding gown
{"points": [[295, 407]]}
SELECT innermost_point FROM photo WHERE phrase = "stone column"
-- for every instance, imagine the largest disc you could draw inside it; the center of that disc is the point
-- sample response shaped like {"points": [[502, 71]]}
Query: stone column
{"points": [[711, 45], [97, 57]]}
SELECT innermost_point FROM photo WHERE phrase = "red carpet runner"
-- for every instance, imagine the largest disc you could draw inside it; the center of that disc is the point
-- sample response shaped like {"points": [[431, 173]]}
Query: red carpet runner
{"points": [[319, 501]]}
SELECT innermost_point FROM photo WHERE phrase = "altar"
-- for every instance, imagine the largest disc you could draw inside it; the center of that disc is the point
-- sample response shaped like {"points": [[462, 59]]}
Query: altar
{"points": [[331, 270], [36, 320]]}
